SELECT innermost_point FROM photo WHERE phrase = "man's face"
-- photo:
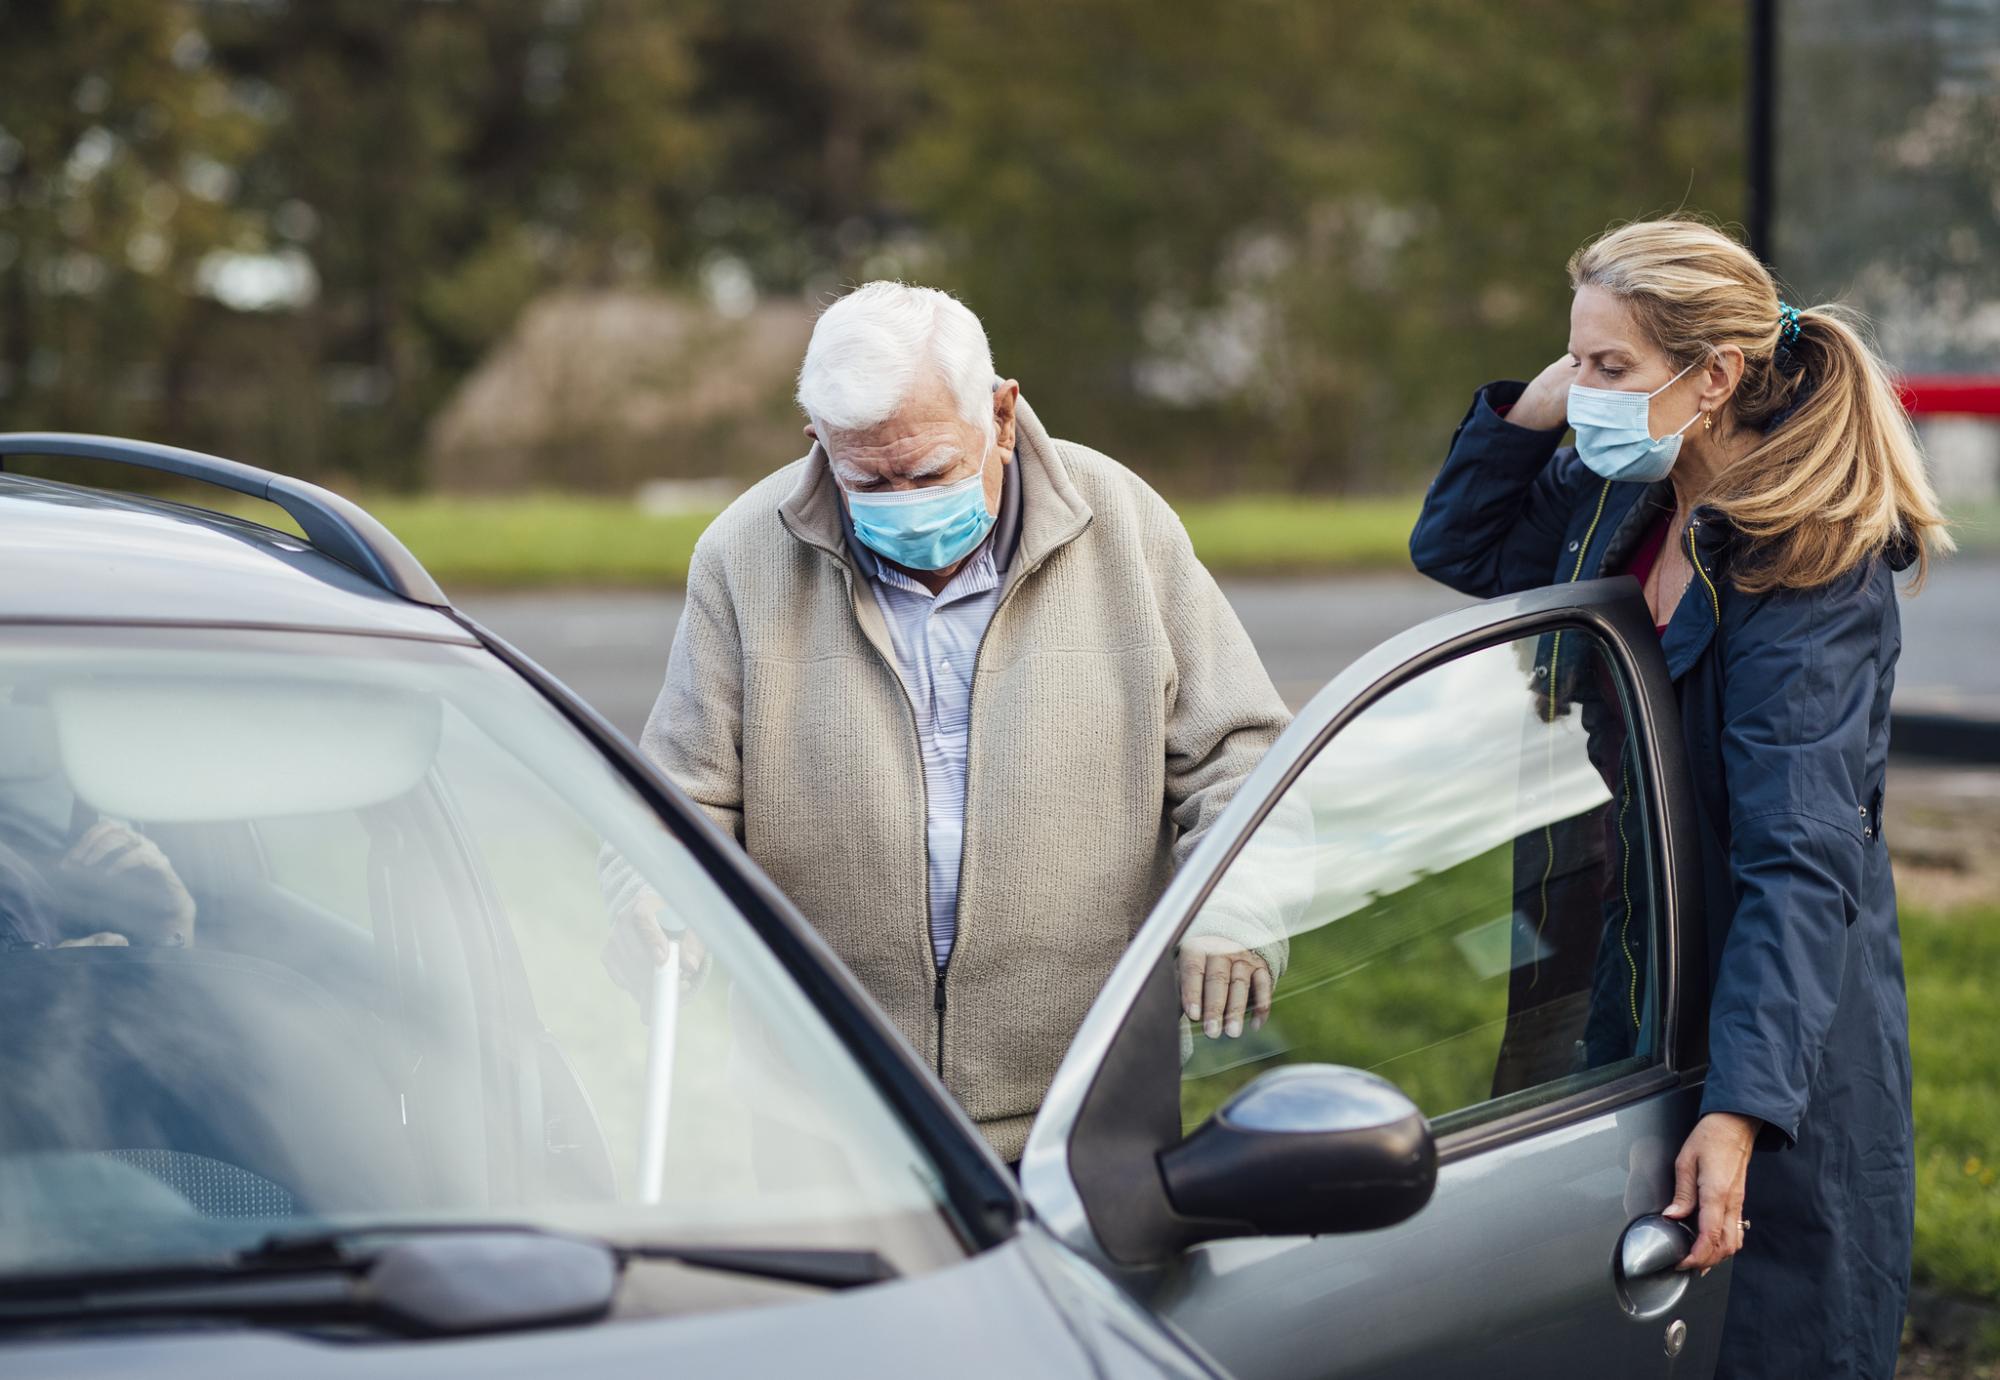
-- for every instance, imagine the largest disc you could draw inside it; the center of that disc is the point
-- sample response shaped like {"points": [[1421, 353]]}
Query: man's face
{"points": [[927, 443]]}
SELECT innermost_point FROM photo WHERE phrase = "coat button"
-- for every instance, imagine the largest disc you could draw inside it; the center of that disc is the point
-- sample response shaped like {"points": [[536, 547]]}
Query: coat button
{"points": [[1573, 546]]}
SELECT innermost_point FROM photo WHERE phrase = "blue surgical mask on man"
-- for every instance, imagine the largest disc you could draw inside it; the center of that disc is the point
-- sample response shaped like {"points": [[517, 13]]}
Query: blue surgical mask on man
{"points": [[924, 529], [1614, 432]]}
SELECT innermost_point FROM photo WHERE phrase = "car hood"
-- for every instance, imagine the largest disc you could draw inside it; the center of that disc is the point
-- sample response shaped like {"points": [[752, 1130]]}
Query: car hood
{"points": [[1025, 1308]]}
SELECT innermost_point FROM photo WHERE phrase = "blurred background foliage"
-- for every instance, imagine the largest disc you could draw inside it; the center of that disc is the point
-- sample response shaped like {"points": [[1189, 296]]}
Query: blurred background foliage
{"points": [[1267, 245]]}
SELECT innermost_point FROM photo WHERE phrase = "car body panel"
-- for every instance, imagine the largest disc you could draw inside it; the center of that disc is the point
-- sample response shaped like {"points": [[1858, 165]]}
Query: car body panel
{"points": [[77, 555], [1520, 1231], [1026, 1308]]}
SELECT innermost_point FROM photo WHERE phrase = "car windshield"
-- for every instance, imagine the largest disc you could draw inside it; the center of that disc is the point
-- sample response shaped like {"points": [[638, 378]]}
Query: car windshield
{"points": [[303, 930]]}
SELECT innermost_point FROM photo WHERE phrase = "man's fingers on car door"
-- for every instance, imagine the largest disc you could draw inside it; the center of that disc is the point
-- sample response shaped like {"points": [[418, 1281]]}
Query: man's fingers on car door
{"points": [[1260, 996], [1189, 966], [1214, 994]]}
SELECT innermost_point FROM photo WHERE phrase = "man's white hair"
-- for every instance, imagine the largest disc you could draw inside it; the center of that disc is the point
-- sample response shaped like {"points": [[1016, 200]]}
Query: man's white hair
{"points": [[870, 349]]}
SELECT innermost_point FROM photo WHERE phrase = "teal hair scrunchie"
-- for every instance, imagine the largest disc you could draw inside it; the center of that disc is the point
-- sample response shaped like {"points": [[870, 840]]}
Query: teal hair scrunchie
{"points": [[1789, 331]]}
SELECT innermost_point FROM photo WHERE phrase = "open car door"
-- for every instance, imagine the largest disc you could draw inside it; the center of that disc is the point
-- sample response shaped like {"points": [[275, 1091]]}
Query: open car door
{"points": [[1471, 864]]}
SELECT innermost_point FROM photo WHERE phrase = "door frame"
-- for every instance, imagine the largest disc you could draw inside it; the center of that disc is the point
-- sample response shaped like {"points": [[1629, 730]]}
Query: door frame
{"points": [[1611, 609]]}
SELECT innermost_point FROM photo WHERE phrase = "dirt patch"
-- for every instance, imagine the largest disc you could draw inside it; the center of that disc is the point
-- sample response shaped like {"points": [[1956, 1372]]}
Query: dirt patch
{"points": [[1943, 825]]}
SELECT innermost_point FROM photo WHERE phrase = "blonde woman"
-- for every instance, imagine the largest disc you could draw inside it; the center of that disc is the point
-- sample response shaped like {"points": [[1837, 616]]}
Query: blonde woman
{"points": [[1748, 462]]}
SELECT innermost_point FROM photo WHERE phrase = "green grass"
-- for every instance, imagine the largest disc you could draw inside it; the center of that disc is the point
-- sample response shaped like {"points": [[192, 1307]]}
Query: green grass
{"points": [[1976, 528], [1299, 535], [545, 541], [1379, 988], [1953, 962], [540, 541], [549, 540]]}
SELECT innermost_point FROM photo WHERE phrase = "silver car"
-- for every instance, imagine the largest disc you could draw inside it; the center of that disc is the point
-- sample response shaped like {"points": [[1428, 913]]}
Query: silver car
{"points": [[316, 1063]]}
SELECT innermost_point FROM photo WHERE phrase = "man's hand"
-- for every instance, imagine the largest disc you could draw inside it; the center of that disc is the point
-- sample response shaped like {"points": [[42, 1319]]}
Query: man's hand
{"points": [[638, 947], [1545, 404], [161, 910], [1221, 981], [1710, 1172]]}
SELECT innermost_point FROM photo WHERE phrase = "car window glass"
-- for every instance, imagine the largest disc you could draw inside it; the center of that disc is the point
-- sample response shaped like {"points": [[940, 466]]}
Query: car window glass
{"points": [[321, 858], [397, 1001], [757, 1104], [1456, 892]]}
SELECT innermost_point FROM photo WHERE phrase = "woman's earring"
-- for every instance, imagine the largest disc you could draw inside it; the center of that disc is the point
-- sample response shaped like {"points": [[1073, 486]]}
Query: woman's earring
{"points": [[1707, 421]]}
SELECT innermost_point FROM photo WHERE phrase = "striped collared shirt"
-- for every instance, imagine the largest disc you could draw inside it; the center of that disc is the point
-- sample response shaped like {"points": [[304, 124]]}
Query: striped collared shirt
{"points": [[936, 640]]}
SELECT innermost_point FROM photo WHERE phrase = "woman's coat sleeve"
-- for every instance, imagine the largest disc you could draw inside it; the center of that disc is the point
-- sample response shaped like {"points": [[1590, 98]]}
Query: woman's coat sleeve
{"points": [[1800, 672], [1493, 520]]}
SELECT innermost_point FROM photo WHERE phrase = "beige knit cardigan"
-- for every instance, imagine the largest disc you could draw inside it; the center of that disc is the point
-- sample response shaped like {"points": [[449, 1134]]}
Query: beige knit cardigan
{"points": [[1116, 705]]}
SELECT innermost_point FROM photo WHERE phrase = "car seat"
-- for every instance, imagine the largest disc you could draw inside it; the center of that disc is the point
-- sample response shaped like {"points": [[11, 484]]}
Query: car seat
{"points": [[238, 1082]]}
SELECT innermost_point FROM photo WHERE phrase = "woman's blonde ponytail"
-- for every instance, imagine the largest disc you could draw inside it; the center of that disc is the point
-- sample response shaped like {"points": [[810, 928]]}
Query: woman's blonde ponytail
{"points": [[1838, 480]]}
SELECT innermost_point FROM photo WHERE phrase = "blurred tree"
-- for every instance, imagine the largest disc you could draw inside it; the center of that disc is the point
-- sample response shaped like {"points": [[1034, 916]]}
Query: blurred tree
{"points": [[805, 98], [444, 162], [118, 141], [1268, 244], [1282, 242]]}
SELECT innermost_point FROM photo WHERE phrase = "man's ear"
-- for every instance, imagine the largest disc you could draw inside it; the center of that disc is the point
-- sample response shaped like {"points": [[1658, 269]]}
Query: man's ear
{"points": [[809, 431], [1005, 397]]}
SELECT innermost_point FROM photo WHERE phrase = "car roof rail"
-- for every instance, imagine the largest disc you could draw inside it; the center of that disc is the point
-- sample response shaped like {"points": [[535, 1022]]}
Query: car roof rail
{"points": [[335, 526]]}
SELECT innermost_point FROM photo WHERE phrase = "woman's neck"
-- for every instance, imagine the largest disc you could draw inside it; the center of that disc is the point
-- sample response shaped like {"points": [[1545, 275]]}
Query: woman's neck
{"points": [[1705, 454]]}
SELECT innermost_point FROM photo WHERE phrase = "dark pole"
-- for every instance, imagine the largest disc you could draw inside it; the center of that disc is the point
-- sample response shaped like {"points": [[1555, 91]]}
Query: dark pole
{"points": [[1760, 103]]}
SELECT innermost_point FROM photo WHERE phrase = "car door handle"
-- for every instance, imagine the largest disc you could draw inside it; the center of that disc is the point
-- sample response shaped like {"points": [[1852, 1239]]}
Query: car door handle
{"points": [[1647, 1281]]}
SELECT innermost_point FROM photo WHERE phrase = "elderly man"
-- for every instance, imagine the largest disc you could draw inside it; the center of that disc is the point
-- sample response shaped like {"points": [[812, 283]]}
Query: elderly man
{"points": [[965, 693]]}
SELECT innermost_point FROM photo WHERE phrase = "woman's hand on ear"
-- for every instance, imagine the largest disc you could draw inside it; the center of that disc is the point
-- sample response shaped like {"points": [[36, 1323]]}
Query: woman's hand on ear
{"points": [[1545, 405]]}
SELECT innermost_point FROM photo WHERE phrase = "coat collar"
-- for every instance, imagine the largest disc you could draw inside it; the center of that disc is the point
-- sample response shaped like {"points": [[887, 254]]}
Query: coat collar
{"points": [[1628, 509], [1053, 513]]}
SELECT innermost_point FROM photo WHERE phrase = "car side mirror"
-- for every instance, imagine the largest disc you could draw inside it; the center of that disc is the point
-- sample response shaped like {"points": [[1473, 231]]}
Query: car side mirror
{"points": [[1303, 1151]]}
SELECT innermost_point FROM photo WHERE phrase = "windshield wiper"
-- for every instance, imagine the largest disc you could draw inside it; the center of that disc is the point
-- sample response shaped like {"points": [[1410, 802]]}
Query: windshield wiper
{"points": [[823, 1267], [827, 1269], [435, 1282], [416, 1279]]}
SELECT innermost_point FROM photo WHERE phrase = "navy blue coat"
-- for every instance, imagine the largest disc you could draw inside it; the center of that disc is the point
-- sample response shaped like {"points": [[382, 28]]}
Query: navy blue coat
{"points": [[1784, 703]]}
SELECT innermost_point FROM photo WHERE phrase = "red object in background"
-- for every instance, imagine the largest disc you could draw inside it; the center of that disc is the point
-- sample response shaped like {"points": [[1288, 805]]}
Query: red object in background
{"points": [[1950, 395]]}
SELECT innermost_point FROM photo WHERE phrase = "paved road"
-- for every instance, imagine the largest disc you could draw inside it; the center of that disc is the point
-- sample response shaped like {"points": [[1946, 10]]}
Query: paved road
{"points": [[612, 647]]}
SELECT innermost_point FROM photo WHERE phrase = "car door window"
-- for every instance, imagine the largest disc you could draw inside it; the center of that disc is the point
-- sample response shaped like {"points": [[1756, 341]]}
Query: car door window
{"points": [[1456, 891]]}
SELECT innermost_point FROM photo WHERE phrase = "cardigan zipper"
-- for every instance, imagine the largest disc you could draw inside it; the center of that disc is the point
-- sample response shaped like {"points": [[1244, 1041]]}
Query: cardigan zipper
{"points": [[923, 791], [937, 1001], [971, 719], [941, 971]]}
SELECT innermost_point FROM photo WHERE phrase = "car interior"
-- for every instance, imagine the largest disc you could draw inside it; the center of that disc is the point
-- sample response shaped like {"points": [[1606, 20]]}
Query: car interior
{"points": [[289, 1061]]}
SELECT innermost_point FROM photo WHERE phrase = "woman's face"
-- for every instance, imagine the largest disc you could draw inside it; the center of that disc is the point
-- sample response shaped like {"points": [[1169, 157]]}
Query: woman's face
{"points": [[1610, 352]]}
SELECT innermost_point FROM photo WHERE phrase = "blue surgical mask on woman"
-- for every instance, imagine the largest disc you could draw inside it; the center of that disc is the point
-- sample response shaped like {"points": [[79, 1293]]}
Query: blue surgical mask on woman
{"points": [[924, 529], [1614, 432]]}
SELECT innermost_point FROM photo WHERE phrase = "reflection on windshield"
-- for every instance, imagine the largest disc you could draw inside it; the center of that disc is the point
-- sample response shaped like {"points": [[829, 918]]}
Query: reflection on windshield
{"points": [[304, 930]]}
